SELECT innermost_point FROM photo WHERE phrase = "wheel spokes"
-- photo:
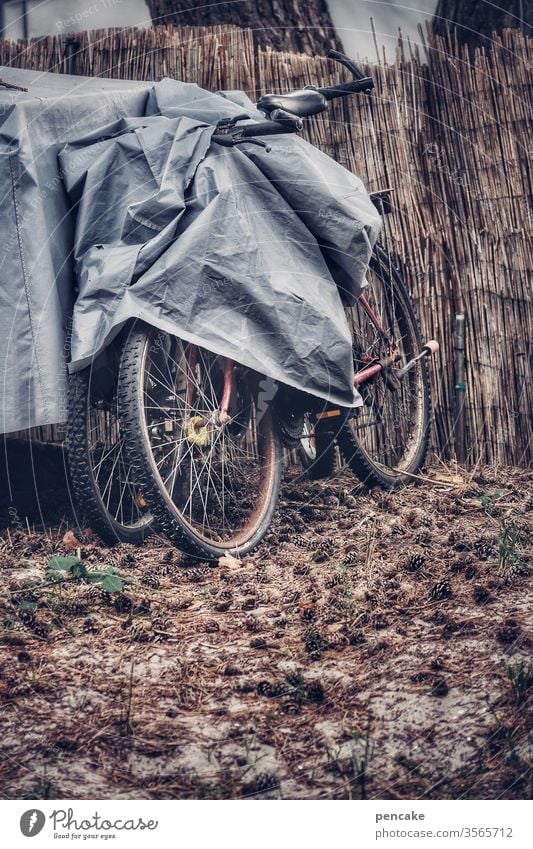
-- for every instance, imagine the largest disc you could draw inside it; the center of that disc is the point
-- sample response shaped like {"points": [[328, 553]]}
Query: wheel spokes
{"points": [[208, 468]]}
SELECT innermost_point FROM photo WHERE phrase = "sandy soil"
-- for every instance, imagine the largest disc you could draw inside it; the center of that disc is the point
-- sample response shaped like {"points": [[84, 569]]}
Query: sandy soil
{"points": [[376, 646]]}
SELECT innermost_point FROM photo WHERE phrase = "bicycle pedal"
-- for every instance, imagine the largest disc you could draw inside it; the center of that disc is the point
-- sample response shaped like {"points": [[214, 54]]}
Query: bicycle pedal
{"points": [[428, 349]]}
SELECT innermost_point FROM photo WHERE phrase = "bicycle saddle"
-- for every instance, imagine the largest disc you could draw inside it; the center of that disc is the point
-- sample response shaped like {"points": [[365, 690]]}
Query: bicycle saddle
{"points": [[302, 103]]}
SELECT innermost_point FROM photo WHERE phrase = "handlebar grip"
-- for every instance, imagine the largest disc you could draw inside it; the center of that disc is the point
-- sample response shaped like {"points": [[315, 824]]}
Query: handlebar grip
{"points": [[347, 62], [270, 128], [343, 89], [224, 139]]}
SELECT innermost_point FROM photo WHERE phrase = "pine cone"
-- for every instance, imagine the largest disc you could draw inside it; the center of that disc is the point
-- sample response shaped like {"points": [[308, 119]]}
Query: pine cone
{"points": [[270, 690], [27, 617], [123, 603], [338, 640], [291, 705], [442, 589], [329, 546], [40, 630], [252, 624], [299, 540], [127, 559], [481, 595], [379, 621], [333, 580], [509, 632], [422, 538], [150, 579], [351, 558], [454, 537], [261, 783], [295, 679], [413, 519], [308, 612], [439, 688], [196, 576], [78, 608], [415, 562], [484, 549], [90, 626], [315, 691]]}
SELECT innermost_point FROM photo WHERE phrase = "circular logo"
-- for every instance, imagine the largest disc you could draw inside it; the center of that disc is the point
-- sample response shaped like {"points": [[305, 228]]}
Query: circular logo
{"points": [[32, 822]]}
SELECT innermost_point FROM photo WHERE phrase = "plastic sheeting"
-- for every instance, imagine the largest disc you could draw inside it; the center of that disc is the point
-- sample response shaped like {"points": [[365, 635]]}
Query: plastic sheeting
{"points": [[248, 253]]}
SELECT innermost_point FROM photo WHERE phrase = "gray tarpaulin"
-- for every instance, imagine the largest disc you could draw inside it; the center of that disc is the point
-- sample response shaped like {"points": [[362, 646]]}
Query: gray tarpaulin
{"points": [[242, 251]]}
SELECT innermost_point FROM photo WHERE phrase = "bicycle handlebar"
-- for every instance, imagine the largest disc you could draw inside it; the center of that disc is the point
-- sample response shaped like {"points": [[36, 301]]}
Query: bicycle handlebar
{"points": [[280, 121]]}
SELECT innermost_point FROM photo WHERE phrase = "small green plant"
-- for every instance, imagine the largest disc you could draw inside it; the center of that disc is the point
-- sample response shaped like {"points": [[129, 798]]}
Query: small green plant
{"points": [[353, 765], [509, 554], [27, 606], [296, 682], [360, 761], [488, 498], [107, 578], [520, 672], [314, 644]]}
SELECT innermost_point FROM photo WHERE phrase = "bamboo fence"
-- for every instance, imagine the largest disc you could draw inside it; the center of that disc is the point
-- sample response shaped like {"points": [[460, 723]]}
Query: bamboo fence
{"points": [[451, 136]]}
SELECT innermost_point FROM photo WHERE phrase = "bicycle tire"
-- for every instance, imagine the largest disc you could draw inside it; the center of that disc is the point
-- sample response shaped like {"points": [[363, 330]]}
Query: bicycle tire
{"points": [[390, 449], [90, 493], [144, 357]]}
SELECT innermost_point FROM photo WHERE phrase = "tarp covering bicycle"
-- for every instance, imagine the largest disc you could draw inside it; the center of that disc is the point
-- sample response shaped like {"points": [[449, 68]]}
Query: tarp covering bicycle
{"points": [[251, 254]]}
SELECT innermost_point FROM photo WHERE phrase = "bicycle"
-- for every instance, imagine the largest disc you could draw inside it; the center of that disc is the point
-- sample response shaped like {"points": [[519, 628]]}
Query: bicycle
{"points": [[203, 438]]}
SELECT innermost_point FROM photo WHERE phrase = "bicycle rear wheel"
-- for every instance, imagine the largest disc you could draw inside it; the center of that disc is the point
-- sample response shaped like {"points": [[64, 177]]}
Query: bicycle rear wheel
{"points": [[101, 478], [385, 442], [212, 482]]}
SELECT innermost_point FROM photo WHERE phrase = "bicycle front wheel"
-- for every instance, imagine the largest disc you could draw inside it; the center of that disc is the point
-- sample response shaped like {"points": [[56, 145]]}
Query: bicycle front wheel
{"points": [[386, 441], [211, 479]]}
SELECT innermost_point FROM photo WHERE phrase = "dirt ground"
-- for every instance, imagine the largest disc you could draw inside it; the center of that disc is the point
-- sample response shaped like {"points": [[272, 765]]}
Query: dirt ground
{"points": [[376, 646]]}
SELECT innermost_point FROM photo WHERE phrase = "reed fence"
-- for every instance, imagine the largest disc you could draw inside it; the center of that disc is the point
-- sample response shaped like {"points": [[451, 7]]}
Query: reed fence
{"points": [[451, 135]]}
